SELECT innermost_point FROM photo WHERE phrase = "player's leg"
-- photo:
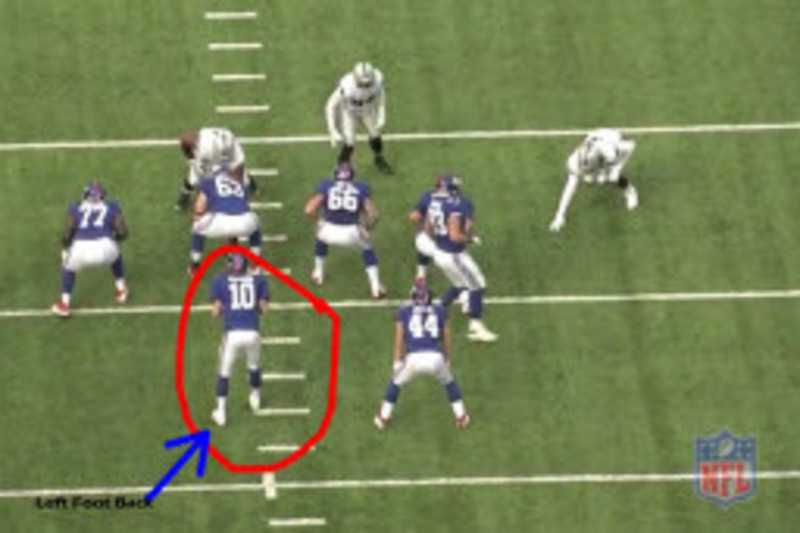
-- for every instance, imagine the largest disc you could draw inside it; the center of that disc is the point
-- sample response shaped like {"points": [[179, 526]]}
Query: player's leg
{"points": [[446, 263], [400, 377], [360, 238], [442, 373], [189, 184], [227, 355], [625, 149], [426, 249], [476, 284], [321, 252], [113, 255], [254, 370], [348, 123], [196, 252], [370, 122]]}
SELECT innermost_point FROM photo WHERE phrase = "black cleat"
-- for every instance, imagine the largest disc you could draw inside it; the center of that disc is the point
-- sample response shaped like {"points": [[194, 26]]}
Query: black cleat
{"points": [[383, 165]]}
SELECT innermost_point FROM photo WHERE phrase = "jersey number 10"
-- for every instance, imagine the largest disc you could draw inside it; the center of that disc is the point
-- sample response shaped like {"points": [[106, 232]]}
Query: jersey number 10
{"points": [[243, 295]]}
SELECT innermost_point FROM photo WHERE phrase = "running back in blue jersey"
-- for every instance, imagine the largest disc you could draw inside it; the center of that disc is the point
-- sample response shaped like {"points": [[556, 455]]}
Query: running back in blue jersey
{"points": [[94, 220], [431, 206], [457, 206], [224, 194], [423, 327], [343, 201], [240, 297]]}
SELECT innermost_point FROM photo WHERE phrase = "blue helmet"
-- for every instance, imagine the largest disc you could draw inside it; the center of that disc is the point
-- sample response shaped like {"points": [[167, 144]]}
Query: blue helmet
{"points": [[344, 171], [420, 293], [94, 191], [449, 182], [237, 263]]}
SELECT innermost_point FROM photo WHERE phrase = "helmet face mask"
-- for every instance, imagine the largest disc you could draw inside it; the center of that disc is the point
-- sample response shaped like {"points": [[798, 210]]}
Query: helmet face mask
{"points": [[94, 191], [344, 171], [364, 73], [237, 263], [450, 183], [420, 293]]}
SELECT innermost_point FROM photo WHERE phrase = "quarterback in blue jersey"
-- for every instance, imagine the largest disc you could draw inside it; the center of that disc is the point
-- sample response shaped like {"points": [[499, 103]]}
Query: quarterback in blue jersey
{"points": [[348, 215], [452, 257], [222, 211], [93, 231], [422, 345], [239, 297]]}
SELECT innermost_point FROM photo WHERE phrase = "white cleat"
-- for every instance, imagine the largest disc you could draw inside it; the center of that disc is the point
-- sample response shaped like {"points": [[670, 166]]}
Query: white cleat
{"points": [[317, 277], [479, 333], [380, 422], [380, 294], [631, 197], [218, 416], [121, 296], [462, 422], [61, 309], [255, 400]]}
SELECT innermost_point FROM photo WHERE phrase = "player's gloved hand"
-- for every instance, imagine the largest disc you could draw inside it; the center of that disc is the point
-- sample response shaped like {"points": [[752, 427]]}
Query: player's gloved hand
{"points": [[397, 365], [557, 224], [477, 241]]}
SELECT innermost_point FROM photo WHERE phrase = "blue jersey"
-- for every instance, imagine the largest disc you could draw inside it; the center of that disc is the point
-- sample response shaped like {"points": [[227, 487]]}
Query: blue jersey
{"points": [[94, 220], [343, 201], [423, 327], [225, 194], [431, 206], [460, 207], [240, 297]]}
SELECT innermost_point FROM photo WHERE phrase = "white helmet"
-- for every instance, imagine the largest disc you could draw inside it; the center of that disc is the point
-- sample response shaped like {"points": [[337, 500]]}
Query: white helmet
{"points": [[364, 73], [214, 148]]}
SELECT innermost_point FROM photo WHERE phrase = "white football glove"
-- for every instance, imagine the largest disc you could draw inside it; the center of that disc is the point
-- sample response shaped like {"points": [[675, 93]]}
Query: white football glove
{"points": [[557, 224], [477, 241]]}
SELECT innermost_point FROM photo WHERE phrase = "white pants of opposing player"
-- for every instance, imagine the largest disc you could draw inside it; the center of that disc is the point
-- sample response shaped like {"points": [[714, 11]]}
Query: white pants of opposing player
{"points": [[223, 226], [349, 236], [424, 363], [90, 253], [235, 342], [460, 269], [348, 120]]}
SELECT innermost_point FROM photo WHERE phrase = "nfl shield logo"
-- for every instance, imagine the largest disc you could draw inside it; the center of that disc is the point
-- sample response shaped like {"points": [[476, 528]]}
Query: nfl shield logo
{"points": [[725, 467]]}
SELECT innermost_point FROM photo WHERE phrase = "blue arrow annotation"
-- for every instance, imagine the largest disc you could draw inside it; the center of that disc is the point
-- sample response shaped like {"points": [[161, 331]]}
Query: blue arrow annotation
{"points": [[199, 441]]}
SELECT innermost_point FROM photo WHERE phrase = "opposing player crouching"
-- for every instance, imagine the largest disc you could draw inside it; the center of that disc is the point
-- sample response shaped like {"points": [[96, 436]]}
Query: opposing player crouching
{"points": [[422, 345], [599, 159], [239, 297], [222, 211], [344, 201], [91, 237], [209, 151]]}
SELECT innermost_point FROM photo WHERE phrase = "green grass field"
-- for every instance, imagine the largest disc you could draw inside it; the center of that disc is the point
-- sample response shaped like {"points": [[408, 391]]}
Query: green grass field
{"points": [[570, 388]]}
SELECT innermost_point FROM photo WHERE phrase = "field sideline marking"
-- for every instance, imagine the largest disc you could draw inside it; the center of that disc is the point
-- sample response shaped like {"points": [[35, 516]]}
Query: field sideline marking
{"points": [[283, 376], [646, 297], [241, 109], [227, 78], [228, 47], [280, 448], [296, 522], [421, 136], [230, 15], [342, 484]]}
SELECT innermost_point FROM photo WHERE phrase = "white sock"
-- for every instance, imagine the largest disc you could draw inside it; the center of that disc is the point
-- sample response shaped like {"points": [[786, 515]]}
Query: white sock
{"points": [[458, 408], [421, 271], [374, 278], [195, 257], [221, 403], [386, 410], [65, 297], [120, 284], [319, 264], [256, 251]]}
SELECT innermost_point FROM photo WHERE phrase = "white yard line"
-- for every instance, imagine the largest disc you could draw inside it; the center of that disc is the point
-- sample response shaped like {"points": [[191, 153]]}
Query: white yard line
{"points": [[231, 15], [256, 172], [283, 376], [280, 340], [266, 206], [281, 448], [296, 522], [788, 294], [234, 47], [228, 78], [355, 484], [284, 411], [421, 136], [241, 109], [279, 237]]}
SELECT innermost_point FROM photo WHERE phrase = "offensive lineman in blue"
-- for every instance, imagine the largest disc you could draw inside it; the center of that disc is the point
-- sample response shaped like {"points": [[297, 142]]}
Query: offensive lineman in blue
{"points": [[222, 211], [239, 297], [422, 345], [93, 231], [427, 218], [344, 202]]}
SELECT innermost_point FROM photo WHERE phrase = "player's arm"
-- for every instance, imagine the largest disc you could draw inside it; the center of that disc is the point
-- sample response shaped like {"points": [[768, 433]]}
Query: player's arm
{"points": [[455, 231], [371, 214], [188, 142], [381, 103], [68, 233], [566, 198], [447, 343], [416, 219], [313, 205], [399, 343], [200, 205], [333, 104], [120, 227], [216, 308], [263, 295]]}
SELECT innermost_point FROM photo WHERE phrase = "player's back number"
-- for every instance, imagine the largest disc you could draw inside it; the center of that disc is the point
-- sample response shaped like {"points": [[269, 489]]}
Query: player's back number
{"points": [[243, 294], [343, 199]]}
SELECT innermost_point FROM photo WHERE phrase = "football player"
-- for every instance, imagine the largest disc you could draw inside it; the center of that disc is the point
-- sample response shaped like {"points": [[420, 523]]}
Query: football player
{"points": [[422, 345], [208, 151], [426, 217], [454, 232], [239, 297], [91, 237], [360, 98], [599, 159], [222, 211], [348, 217]]}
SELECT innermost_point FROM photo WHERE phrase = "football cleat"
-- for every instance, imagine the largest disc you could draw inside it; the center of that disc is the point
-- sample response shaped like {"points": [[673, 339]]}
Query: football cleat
{"points": [[383, 165], [255, 400], [317, 277], [121, 296], [380, 422], [480, 333], [631, 197], [218, 416], [462, 421], [380, 294], [61, 309]]}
